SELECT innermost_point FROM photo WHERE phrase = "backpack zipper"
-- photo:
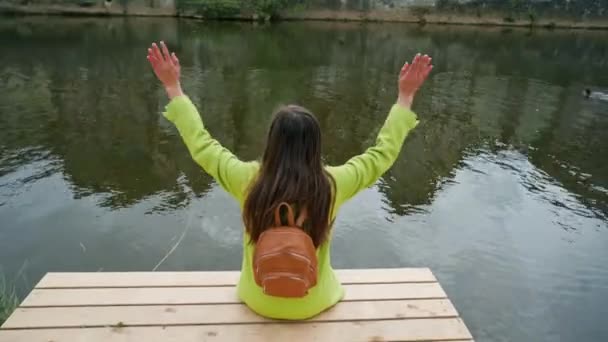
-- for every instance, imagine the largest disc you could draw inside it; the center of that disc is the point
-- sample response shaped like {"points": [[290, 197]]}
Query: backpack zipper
{"points": [[297, 256]]}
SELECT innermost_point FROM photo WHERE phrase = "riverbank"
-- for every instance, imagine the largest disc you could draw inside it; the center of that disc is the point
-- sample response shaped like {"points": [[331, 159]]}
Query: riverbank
{"points": [[585, 18], [8, 299], [406, 16]]}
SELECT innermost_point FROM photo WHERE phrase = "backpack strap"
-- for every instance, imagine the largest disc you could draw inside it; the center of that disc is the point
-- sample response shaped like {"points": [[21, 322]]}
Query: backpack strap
{"points": [[290, 218], [302, 218], [277, 215]]}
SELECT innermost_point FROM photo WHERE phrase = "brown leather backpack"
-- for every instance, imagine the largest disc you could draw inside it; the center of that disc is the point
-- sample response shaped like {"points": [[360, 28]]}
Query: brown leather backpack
{"points": [[285, 259]]}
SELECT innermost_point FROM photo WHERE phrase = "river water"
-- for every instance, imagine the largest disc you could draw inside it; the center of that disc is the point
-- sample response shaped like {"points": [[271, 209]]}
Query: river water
{"points": [[502, 189]]}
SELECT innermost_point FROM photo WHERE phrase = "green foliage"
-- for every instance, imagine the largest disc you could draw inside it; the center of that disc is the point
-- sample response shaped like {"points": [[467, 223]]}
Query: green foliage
{"points": [[212, 8], [298, 7], [532, 16], [230, 8], [220, 8], [269, 8], [8, 299], [516, 4], [420, 11]]}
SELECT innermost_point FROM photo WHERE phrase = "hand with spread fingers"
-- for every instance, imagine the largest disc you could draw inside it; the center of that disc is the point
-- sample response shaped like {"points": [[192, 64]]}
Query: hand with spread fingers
{"points": [[411, 78], [166, 68]]}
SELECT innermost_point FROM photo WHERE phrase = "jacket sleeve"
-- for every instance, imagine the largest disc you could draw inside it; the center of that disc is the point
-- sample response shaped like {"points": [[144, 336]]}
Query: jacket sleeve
{"points": [[365, 169], [231, 173]]}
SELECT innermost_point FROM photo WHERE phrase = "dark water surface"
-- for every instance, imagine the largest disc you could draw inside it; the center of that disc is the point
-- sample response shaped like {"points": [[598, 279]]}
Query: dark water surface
{"points": [[502, 189]]}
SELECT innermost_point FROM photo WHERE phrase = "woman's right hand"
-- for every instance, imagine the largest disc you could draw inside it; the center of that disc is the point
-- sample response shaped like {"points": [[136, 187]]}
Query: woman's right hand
{"points": [[411, 78], [166, 68]]}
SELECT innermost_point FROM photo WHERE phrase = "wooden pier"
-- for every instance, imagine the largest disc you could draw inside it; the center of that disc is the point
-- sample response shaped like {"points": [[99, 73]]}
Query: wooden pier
{"points": [[405, 304]]}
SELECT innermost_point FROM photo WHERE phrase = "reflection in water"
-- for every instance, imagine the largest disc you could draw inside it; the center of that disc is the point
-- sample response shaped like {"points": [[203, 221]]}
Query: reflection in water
{"points": [[502, 189]]}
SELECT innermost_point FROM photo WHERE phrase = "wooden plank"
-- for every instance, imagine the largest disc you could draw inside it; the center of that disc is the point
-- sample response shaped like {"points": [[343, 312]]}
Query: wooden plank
{"points": [[394, 330], [215, 314], [386, 275], [225, 278], [210, 295]]}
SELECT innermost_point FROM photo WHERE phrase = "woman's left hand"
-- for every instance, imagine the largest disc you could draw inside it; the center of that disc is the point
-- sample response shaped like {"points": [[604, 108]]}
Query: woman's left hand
{"points": [[166, 68], [412, 77]]}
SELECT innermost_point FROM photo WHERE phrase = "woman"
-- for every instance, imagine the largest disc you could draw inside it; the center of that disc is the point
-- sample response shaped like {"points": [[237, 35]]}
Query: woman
{"points": [[291, 171]]}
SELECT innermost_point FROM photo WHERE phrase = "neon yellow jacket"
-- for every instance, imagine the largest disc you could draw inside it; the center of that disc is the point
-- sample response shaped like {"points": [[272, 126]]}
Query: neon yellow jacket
{"points": [[234, 176]]}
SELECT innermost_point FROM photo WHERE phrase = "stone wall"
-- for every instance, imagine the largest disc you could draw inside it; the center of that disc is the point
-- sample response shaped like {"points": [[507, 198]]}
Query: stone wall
{"points": [[548, 13], [90, 7]]}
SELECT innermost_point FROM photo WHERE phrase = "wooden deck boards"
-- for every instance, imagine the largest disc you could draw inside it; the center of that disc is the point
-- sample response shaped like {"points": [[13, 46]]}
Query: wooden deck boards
{"points": [[380, 305]]}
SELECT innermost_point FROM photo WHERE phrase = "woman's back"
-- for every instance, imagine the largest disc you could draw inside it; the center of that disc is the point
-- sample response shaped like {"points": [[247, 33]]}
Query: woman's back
{"points": [[242, 179], [236, 177]]}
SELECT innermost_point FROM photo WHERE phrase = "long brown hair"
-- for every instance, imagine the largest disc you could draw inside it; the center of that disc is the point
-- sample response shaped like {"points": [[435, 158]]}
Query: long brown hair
{"points": [[291, 171]]}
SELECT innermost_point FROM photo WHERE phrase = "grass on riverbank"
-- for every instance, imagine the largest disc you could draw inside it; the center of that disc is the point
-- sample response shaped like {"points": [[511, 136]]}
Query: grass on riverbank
{"points": [[8, 298]]}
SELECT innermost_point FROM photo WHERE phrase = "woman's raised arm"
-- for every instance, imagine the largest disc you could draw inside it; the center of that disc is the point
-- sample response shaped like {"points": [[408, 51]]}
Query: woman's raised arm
{"points": [[364, 170], [232, 174]]}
